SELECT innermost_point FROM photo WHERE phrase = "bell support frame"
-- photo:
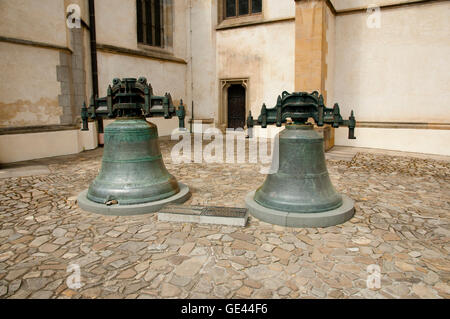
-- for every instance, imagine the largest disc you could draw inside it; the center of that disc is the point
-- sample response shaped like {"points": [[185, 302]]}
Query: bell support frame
{"points": [[130, 97], [300, 106]]}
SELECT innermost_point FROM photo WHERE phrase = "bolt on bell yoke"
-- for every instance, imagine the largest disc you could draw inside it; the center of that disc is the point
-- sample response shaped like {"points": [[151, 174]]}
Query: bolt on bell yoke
{"points": [[133, 178], [300, 192]]}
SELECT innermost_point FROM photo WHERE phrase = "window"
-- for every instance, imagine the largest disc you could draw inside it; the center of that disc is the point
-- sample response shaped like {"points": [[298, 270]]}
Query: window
{"points": [[235, 8], [150, 27]]}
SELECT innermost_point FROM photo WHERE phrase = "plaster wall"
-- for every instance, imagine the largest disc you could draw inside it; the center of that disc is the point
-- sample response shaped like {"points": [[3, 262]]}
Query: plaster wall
{"points": [[116, 25], [42, 21], [353, 4], [399, 72], [23, 147], [163, 76], [276, 9], [264, 54], [405, 140], [29, 90]]}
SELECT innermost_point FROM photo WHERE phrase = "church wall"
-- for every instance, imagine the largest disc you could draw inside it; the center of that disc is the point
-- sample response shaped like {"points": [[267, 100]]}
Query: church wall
{"points": [[165, 68], [29, 90], [116, 20], [202, 72], [163, 76], [262, 53], [395, 77], [116, 25], [341, 5], [398, 73], [42, 21], [49, 71], [43, 71]]}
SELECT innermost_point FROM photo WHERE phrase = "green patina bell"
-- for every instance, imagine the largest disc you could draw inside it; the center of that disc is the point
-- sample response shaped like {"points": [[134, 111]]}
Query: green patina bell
{"points": [[298, 192], [301, 183], [132, 170], [133, 178]]}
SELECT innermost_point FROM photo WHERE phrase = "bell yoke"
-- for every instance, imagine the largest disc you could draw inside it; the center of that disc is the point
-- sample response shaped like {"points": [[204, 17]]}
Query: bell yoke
{"points": [[133, 178], [299, 193]]}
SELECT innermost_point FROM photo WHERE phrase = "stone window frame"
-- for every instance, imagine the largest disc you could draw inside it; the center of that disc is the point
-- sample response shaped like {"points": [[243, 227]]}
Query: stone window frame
{"points": [[251, 17], [167, 14]]}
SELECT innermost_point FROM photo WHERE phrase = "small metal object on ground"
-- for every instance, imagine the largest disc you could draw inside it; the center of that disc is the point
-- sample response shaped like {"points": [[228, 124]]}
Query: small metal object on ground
{"points": [[232, 216], [135, 209]]}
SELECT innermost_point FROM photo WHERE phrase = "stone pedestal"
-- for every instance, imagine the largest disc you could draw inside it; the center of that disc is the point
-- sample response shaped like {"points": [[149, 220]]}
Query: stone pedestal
{"points": [[323, 219]]}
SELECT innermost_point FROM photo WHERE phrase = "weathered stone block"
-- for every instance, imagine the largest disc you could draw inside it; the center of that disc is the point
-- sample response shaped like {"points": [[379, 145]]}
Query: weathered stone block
{"points": [[62, 73], [64, 100]]}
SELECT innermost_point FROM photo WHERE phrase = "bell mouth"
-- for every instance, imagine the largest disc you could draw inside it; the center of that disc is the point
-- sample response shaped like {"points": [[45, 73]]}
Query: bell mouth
{"points": [[100, 193], [287, 205]]}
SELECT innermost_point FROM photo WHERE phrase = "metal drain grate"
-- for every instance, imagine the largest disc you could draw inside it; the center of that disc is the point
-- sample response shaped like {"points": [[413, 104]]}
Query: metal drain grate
{"points": [[233, 216]]}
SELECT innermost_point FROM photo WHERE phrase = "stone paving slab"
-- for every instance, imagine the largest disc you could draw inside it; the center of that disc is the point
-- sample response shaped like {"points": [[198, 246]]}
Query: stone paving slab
{"points": [[401, 225]]}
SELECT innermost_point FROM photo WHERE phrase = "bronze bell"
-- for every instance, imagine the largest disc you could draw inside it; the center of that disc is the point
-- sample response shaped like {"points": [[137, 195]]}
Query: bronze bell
{"points": [[133, 172], [301, 183], [299, 192]]}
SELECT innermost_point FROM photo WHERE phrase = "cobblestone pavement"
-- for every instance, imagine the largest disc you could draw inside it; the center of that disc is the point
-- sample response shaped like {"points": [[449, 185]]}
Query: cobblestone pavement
{"points": [[401, 224]]}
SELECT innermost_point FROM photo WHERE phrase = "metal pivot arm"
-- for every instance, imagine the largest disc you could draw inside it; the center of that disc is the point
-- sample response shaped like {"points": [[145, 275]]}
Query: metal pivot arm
{"points": [[300, 106], [130, 97], [84, 117], [181, 113]]}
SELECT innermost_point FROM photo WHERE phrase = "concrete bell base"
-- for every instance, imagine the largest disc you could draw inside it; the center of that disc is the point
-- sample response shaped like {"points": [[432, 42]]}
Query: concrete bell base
{"points": [[136, 209], [309, 220]]}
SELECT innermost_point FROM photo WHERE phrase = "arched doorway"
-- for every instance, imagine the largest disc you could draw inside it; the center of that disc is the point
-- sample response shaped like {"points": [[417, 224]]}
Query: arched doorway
{"points": [[236, 106]]}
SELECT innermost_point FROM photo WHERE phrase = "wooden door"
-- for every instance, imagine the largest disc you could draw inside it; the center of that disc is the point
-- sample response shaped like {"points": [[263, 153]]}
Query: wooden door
{"points": [[236, 106]]}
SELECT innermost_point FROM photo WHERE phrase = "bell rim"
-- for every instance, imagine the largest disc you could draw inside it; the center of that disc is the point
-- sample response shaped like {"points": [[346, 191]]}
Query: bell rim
{"points": [[288, 207], [95, 185], [134, 201], [136, 209]]}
